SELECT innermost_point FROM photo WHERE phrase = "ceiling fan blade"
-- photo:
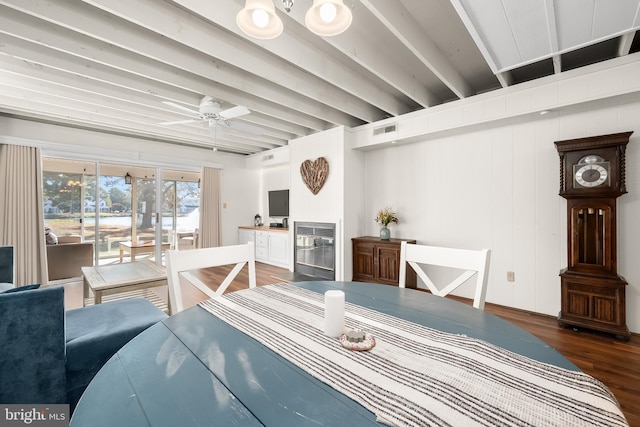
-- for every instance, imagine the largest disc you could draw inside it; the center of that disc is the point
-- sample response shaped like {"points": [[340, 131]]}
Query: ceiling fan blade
{"points": [[236, 111], [180, 107], [180, 122], [245, 127]]}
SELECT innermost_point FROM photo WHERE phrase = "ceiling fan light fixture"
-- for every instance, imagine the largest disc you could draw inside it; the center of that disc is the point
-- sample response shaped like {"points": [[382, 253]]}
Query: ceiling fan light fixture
{"points": [[258, 19], [328, 18]]}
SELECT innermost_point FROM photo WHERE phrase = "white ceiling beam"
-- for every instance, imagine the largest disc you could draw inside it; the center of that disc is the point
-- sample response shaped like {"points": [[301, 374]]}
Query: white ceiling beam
{"points": [[557, 64], [275, 127], [62, 142], [552, 29], [296, 39], [59, 77], [400, 22], [236, 139], [255, 138], [270, 132], [30, 28], [89, 113], [552, 26], [469, 25], [262, 139], [70, 94], [176, 24], [272, 127], [505, 78], [5, 41], [72, 98], [27, 51], [624, 47], [368, 55], [30, 110]]}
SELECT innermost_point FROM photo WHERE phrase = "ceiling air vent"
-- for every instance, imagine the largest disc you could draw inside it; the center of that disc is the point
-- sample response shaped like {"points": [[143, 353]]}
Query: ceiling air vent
{"points": [[385, 129]]}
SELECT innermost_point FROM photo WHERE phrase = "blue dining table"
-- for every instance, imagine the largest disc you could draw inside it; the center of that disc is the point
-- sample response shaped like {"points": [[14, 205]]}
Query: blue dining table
{"points": [[169, 375]]}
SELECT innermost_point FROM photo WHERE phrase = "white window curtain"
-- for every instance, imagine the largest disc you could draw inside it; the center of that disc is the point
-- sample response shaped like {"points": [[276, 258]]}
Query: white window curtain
{"points": [[209, 233], [21, 215]]}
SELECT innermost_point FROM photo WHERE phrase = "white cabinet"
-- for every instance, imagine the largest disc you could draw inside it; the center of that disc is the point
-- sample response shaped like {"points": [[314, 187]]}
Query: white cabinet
{"points": [[245, 236], [279, 249], [272, 247]]}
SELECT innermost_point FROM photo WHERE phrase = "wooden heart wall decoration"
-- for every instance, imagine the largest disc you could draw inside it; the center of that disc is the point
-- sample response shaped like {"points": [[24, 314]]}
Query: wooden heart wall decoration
{"points": [[315, 173]]}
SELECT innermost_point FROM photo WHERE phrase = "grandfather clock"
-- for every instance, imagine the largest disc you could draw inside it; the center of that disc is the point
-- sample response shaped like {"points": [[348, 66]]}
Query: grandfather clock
{"points": [[592, 177]]}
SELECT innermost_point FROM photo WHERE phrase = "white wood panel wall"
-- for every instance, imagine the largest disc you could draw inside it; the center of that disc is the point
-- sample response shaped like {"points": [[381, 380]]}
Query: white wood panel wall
{"points": [[498, 188]]}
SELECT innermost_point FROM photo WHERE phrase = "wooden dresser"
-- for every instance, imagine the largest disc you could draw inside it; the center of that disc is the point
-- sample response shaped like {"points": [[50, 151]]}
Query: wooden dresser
{"points": [[378, 261]]}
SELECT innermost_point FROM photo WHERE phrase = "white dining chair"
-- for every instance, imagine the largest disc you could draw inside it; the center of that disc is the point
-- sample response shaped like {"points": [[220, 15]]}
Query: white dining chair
{"points": [[473, 262], [180, 263]]}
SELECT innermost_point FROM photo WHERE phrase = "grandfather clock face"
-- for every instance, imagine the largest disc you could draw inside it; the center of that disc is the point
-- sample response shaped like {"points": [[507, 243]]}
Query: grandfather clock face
{"points": [[591, 171]]}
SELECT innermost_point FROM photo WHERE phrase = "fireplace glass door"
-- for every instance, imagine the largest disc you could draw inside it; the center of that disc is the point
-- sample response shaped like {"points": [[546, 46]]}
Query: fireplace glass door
{"points": [[315, 250]]}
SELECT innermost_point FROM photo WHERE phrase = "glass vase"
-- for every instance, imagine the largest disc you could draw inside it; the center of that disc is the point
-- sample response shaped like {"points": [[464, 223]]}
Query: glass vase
{"points": [[385, 233]]}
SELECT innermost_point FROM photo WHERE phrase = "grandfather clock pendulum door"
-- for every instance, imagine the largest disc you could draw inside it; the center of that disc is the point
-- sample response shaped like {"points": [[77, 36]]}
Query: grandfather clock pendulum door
{"points": [[592, 177]]}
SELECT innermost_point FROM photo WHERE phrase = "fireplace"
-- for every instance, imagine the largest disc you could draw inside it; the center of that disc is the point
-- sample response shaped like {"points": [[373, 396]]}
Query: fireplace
{"points": [[315, 254]]}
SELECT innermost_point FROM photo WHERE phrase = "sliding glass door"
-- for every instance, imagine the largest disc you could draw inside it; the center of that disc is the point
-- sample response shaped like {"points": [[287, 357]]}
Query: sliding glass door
{"points": [[69, 190], [113, 211], [118, 211], [180, 211]]}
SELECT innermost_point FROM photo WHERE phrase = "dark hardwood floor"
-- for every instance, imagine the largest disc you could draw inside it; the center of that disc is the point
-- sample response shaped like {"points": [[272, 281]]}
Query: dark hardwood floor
{"points": [[615, 363]]}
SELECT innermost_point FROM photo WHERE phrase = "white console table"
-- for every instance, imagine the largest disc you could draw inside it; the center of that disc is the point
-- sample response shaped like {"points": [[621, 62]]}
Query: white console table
{"points": [[271, 244]]}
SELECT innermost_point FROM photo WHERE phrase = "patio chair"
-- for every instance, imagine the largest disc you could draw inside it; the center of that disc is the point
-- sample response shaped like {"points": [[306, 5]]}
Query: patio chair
{"points": [[473, 262]]}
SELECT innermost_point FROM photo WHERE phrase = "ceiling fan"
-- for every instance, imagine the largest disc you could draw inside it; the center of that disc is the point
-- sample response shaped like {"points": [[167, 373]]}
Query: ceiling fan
{"points": [[210, 112]]}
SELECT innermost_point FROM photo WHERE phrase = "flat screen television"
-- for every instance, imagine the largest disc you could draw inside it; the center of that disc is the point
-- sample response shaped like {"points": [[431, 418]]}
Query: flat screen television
{"points": [[279, 203]]}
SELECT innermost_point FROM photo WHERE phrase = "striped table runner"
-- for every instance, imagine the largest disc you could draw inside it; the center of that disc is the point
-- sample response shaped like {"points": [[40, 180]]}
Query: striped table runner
{"points": [[417, 376]]}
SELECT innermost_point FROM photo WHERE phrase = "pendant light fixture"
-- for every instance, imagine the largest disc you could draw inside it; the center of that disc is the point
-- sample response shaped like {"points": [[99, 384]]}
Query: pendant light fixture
{"points": [[325, 18], [328, 17], [258, 19]]}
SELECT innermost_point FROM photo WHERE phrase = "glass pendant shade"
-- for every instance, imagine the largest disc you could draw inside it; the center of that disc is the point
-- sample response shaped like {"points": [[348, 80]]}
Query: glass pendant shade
{"points": [[328, 17], [258, 19]]}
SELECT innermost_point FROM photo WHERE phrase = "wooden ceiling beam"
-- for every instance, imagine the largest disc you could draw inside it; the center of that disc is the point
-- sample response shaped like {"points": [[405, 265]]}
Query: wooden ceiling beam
{"points": [[174, 23], [317, 58], [368, 55], [101, 52], [399, 21]]}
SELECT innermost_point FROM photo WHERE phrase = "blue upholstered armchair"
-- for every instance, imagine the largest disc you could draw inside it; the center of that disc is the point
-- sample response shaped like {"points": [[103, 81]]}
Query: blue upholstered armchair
{"points": [[49, 356]]}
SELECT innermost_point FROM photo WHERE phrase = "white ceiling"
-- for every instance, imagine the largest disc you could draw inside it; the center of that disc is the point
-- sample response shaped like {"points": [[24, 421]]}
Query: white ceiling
{"points": [[513, 33], [109, 64]]}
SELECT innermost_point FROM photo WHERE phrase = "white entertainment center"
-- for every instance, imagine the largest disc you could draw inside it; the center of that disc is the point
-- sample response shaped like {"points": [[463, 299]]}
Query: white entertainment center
{"points": [[271, 244]]}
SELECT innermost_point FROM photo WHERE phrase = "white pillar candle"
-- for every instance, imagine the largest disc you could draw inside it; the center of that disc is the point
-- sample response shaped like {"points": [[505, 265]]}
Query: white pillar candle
{"points": [[334, 313]]}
